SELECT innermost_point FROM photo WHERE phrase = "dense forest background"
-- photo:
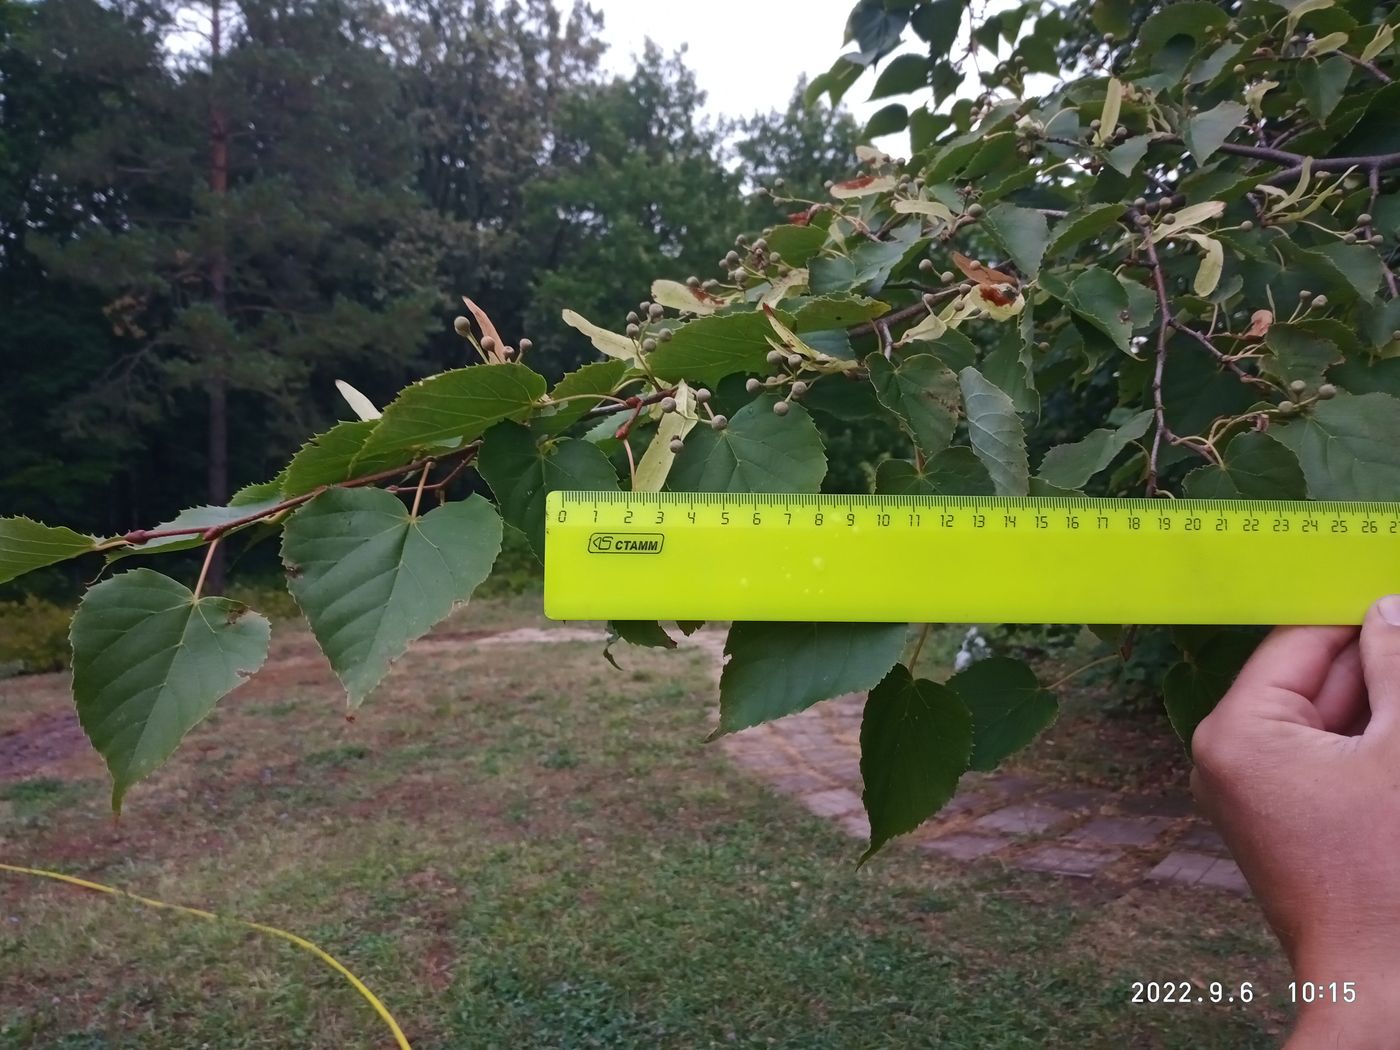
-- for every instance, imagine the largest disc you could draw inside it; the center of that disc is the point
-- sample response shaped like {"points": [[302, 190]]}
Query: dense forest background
{"points": [[210, 213]]}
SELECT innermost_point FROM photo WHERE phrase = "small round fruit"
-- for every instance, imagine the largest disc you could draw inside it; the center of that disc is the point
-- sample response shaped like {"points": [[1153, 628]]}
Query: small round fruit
{"points": [[488, 344], [633, 331], [976, 210], [1247, 225], [648, 345], [1297, 386], [656, 311], [781, 408], [1326, 391], [753, 386], [668, 404], [677, 444], [692, 282], [526, 345], [799, 388], [1364, 219], [665, 335], [1304, 295], [462, 327], [1319, 301], [719, 422], [926, 266], [633, 317], [947, 277], [1287, 408], [702, 396], [775, 357]]}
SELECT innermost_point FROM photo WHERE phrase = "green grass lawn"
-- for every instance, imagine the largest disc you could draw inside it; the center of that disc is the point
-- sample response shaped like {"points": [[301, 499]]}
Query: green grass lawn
{"points": [[521, 847]]}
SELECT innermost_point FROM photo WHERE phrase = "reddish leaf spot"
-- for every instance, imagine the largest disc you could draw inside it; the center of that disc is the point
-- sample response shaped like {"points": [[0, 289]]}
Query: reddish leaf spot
{"points": [[857, 184]]}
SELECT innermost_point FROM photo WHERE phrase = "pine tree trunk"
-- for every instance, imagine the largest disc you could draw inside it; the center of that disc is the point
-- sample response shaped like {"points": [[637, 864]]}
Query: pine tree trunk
{"points": [[218, 291]]}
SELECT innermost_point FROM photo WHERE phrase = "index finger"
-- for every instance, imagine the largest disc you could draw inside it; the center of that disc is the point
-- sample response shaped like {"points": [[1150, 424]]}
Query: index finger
{"points": [[1295, 659]]}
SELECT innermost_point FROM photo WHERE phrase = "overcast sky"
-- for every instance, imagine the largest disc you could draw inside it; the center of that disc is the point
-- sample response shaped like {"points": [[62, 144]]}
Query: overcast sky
{"points": [[746, 54]]}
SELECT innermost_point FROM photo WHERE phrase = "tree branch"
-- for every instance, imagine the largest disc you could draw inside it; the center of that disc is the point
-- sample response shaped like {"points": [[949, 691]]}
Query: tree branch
{"points": [[209, 533], [1293, 161]]}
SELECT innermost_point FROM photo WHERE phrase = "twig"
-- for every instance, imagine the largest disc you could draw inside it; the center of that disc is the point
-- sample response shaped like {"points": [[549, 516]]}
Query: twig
{"points": [[1375, 181], [886, 340], [1220, 356], [1369, 67], [627, 403], [1164, 325], [436, 486], [905, 313], [137, 537]]}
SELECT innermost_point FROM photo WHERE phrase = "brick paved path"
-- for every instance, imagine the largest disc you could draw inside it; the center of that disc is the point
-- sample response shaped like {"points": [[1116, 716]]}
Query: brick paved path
{"points": [[815, 757]]}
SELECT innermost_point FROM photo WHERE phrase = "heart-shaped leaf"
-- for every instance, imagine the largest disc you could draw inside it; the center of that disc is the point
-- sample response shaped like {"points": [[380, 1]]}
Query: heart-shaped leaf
{"points": [[149, 663], [915, 742], [371, 578]]}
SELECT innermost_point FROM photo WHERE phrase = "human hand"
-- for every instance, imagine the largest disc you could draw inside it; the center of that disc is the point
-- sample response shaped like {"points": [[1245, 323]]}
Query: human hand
{"points": [[1299, 768]]}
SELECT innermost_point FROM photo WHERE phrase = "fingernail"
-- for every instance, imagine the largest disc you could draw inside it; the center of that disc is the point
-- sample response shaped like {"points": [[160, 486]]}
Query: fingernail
{"points": [[1389, 608]]}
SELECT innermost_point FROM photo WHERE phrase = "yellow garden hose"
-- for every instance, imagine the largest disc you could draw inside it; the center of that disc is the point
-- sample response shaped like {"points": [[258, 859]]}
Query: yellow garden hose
{"points": [[301, 942]]}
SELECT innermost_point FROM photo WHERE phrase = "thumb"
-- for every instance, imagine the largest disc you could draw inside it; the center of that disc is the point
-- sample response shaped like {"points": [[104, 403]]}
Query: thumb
{"points": [[1380, 662]]}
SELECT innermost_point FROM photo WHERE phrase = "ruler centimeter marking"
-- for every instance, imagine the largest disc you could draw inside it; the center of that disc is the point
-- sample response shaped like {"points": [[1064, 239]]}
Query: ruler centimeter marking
{"points": [[965, 559]]}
